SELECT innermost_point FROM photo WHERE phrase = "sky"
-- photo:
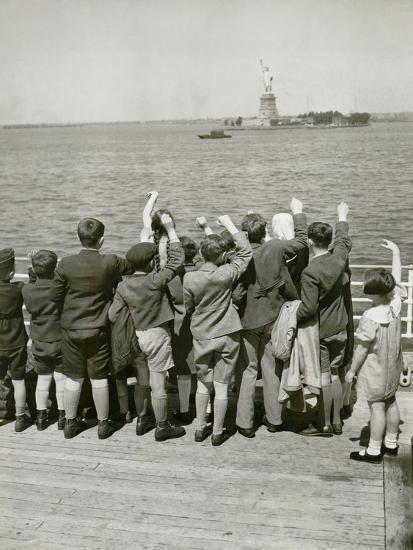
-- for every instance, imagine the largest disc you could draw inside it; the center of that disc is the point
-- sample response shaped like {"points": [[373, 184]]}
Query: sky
{"points": [[124, 60]]}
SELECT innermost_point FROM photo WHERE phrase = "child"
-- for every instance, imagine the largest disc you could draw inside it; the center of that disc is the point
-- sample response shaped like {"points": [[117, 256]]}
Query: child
{"points": [[83, 289], [13, 336], [181, 334], [268, 285], [46, 337], [378, 356], [322, 295], [145, 295], [215, 325]]}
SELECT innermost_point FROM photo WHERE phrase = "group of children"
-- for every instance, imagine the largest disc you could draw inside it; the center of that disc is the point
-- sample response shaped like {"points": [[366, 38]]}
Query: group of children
{"points": [[210, 309]]}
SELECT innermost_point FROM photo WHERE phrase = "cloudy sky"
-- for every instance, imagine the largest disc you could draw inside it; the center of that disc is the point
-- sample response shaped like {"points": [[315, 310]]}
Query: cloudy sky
{"points": [[106, 60]]}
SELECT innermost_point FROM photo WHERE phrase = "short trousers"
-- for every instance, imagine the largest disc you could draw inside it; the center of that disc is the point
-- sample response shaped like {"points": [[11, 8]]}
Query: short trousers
{"points": [[215, 359], [14, 361], [332, 351], [155, 345], [86, 352], [47, 357]]}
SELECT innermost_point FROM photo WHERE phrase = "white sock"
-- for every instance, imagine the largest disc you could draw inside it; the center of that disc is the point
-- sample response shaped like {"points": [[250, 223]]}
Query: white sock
{"points": [[374, 448], [19, 396], [100, 392], [60, 382], [184, 391], [390, 440], [42, 391]]}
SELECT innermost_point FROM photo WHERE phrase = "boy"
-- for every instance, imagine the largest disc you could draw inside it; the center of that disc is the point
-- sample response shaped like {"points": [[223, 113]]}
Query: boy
{"points": [[215, 325], [268, 285], [322, 294], [83, 289], [13, 336], [45, 334], [145, 295]]}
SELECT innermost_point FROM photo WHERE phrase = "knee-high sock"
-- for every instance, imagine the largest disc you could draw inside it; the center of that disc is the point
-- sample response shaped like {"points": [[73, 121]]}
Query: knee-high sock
{"points": [[201, 403], [326, 400], [142, 395], [184, 391], [100, 392], [60, 381], [123, 395], [159, 398], [73, 387], [337, 397], [19, 396], [42, 391], [220, 407]]}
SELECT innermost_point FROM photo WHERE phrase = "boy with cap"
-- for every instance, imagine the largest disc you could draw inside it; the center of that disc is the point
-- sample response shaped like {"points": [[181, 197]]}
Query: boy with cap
{"points": [[45, 335], [83, 288], [145, 294], [13, 336], [215, 324]]}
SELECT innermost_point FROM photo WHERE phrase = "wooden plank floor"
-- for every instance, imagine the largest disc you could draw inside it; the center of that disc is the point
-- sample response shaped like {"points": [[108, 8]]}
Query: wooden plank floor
{"points": [[273, 491]]}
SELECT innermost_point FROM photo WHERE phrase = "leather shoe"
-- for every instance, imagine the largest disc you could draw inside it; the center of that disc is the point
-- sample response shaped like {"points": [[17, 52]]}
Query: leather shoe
{"points": [[311, 430], [165, 430], [337, 428], [105, 429], [373, 459], [273, 428], [246, 432], [22, 422], [201, 435], [387, 451], [73, 427], [183, 418], [144, 424], [219, 439]]}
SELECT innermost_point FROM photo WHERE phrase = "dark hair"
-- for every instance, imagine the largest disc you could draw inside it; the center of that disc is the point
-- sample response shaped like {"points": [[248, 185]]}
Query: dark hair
{"points": [[254, 225], [378, 281], [321, 234], [229, 240], [44, 263], [89, 231], [212, 247], [190, 248], [159, 230]]}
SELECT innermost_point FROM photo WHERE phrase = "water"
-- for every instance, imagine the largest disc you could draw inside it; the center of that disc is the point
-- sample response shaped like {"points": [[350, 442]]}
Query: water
{"points": [[52, 177]]}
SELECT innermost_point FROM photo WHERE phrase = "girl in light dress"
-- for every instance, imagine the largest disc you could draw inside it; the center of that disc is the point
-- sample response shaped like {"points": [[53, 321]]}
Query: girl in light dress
{"points": [[378, 357]]}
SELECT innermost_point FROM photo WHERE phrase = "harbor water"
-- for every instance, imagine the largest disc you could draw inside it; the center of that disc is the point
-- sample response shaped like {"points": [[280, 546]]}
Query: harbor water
{"points": [[52, 177]]}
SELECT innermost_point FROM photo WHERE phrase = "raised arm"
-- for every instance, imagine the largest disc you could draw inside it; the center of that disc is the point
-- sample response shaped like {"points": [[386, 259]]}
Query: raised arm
{"points": [[243, 250], [175, 254], [147, 216], [300, 241], [342, 242], [203, 224], [396, 267]]}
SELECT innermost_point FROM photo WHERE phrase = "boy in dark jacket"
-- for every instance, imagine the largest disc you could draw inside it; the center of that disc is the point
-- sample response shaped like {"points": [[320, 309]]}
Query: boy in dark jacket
{"points": [[13, 336], [83, 289], [145, 295], [322, 284], [46, 337]]}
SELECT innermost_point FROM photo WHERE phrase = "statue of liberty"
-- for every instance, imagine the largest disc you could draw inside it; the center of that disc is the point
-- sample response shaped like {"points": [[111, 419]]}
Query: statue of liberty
{"points": [[266, 78]]}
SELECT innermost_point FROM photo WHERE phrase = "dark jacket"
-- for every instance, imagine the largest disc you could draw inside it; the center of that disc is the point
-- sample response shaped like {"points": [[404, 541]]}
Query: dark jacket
{"points": [[12, 331], [267, 281], [322, 286], [145, 293], [83, 287], [45, 314]]}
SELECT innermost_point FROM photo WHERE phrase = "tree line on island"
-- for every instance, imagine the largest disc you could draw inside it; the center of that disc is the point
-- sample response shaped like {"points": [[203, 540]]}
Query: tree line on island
{"points": [[335, 117]]}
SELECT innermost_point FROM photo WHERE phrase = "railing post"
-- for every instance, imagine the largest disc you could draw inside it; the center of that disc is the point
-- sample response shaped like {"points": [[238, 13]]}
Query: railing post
{"points": [[409, 303]]}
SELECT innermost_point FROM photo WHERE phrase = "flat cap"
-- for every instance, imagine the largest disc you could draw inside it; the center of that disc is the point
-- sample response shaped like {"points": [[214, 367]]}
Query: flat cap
{"points": [[6, 260], [139, 255]]}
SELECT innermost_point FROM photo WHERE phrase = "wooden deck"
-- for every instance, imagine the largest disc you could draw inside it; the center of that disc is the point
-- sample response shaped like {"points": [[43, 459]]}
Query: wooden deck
{"points": [[275, 491]]}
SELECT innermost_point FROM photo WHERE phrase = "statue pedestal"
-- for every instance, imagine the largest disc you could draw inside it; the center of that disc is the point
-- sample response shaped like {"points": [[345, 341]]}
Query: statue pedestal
{"points": [[268, 107]]}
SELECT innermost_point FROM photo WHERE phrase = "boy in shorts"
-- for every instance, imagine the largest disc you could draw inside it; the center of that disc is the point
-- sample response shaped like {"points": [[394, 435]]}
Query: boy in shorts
{"points": [[46, 337], [215, 324], [145, 295], [13, 336], [83, 288]]}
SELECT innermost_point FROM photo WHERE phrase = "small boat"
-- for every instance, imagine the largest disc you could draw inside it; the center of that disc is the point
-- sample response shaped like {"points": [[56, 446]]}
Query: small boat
{"points": [[215, 134]]}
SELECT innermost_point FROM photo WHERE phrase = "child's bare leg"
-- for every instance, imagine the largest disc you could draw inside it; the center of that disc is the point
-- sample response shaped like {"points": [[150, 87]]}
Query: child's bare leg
{"points": [[19, 396], [42, 391], [201, 400], [220, 407], [184, 391], [327, 398], [337, 395], [123, 395], [377, 427], [392, 423], [345, 386], [159, 397]]}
